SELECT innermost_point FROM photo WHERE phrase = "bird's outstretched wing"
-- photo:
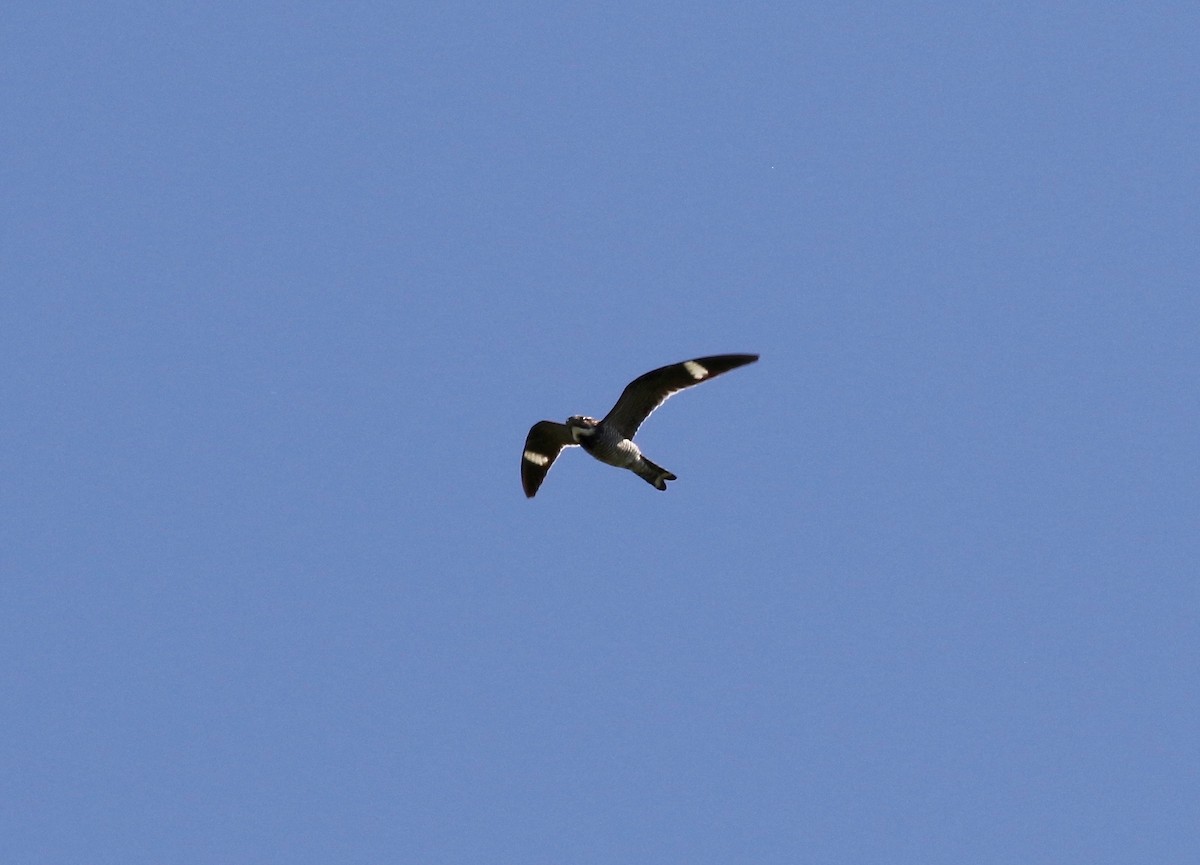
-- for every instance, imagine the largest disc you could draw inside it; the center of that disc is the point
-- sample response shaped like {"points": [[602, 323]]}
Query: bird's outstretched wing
{"points": [[647, 392], [542, 446]]}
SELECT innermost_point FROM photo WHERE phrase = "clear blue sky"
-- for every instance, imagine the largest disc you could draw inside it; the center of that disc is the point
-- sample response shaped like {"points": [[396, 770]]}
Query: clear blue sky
{"points": [[285, 285]]}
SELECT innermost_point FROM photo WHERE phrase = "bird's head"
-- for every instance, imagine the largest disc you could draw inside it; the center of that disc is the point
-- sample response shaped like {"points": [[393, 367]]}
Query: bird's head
{"points": [[581, 426]]}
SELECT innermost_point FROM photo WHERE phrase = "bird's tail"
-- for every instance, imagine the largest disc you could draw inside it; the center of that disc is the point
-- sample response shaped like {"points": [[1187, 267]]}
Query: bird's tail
{"points": [[654, 475]]}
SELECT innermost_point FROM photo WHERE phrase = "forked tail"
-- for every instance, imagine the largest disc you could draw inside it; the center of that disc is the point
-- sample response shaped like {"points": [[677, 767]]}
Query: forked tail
{"points": [[654, 475]]}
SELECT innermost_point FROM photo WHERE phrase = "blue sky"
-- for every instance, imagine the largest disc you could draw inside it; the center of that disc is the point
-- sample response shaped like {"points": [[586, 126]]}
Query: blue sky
{"points": [[285, 285]]}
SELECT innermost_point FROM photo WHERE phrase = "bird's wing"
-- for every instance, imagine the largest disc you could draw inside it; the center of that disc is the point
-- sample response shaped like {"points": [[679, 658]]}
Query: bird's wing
{"points": [[542, 446], [647, 392]]}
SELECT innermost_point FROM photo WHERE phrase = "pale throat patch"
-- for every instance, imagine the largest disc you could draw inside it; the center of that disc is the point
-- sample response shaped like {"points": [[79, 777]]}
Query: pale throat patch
{"points": [[536, 458], [695, 370]]}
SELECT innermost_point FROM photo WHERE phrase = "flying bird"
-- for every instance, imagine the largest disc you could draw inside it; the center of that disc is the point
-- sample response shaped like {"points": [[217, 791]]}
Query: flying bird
{"points": [[611, 440]]}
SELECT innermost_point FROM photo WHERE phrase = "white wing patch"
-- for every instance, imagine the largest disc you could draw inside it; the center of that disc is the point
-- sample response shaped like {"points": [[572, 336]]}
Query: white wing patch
{"points": [[695, 370], [536, 458]]}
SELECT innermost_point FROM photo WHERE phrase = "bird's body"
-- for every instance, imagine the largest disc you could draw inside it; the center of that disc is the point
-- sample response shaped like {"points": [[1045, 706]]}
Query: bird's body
{"points": [[611, 440], [607, 445]]}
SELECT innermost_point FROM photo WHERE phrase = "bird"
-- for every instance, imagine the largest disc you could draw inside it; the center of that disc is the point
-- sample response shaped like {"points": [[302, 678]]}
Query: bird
{"points": [[610, 440]]}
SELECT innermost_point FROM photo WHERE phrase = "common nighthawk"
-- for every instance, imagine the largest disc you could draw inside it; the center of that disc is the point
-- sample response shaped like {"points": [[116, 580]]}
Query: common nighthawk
{"points": [[611, 440]]}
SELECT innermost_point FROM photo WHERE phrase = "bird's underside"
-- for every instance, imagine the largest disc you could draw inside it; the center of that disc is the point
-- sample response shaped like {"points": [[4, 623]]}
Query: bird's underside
{"points": [[610, 440]]}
